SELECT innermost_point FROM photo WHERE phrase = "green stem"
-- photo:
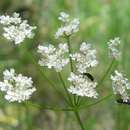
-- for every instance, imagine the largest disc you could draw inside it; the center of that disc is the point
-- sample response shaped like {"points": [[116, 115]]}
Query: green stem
{"points": [[65, 109], [106, 73], [71, 62], [28, 119], [79, 120], [65, 88], [47, 107], [19, 116], [78, 101], [72, 70], [70, 52], [92, 104]]}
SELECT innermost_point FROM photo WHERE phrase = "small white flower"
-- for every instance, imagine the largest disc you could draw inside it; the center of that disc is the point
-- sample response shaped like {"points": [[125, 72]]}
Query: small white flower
{"points": [[16, 86], [85, 58], [53, 57], [7, 20], [113, 46], [120, 85], [69, 27], [82, 86], [64, 17], [9, 74], [15, 29]]}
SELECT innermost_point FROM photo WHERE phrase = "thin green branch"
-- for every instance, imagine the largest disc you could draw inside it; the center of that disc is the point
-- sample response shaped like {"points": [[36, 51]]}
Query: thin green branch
{"points": [[79, 120], [70, 52], [65, 88], [99, 101], [47, 107], [71, 63], [106, 72]]}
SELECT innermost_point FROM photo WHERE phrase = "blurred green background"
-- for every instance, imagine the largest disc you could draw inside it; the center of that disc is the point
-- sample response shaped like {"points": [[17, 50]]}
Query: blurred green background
{"points": [[100, 20]]}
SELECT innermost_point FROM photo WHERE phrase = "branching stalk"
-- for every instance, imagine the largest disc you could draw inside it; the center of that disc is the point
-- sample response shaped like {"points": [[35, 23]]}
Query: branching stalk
{"points": [[46, 78]]}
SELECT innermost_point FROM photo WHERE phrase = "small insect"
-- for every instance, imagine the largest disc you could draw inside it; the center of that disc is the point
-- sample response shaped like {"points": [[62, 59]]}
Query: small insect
{"points": [[89, 76], [123, 102]]}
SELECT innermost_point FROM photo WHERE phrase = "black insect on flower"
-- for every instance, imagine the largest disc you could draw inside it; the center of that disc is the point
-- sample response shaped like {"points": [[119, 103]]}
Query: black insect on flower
{"points": [[89, 76], [123, 102]]}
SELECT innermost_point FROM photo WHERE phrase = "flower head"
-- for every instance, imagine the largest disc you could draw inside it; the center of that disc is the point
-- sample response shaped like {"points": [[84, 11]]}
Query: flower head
{"points": [[82, 86], [113, 46], [120, 85], [85, 58], [53, 57], [69, 26], [15, 29], [16, 86]]}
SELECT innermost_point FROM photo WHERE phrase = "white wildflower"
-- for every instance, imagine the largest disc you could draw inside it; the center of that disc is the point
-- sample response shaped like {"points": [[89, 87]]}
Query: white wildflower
{"points": [[120, 85], [16, 86], [7, 20], [82, 86], [64, 17], [9, 74], [113, 46], [53, 57], [69, 27], [85, 58], [15, 29]]}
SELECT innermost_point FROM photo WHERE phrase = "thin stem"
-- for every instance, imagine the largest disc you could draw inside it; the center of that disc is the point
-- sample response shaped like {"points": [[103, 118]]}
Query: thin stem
{"points": [[78, 100], [70, 52], [92, 104], [28, 119], [74, 102], [72, 69], [71, 62], [106, 73], [63, 83], [79, 120], [19, 116], [47, 107]]}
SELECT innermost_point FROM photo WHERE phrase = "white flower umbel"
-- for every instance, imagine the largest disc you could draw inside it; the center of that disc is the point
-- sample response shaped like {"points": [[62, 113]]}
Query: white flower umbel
{"points": [[120, 85], [69, 26], [15, 29], [53, 57], [16, 86], [113, 46], [85, 58], [82, 86]]}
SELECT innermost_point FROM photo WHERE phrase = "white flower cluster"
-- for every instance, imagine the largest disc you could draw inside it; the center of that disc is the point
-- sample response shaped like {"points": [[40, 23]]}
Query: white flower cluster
{"points": [[53, 57], [17, 87], [120, 85], [113, 46], [82, 86], [69, 26], [15, 29], [85, 58]]}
